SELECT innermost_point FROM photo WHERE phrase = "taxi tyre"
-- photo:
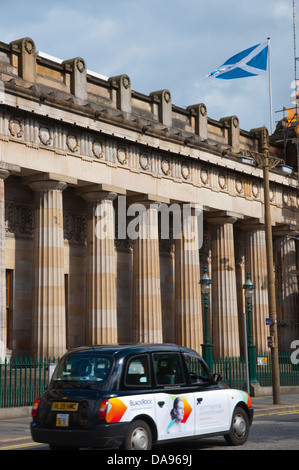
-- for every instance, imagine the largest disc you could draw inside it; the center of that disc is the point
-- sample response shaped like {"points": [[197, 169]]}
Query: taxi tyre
{"points": [[138, 436], [239, 430]]}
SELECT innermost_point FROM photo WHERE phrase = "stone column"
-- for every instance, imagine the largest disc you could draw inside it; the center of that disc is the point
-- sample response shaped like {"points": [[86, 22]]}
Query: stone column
{"points": [[256, 264], [241, 276], [3, 333], [188, 307], [288, 292], [147, 311], [101, 313], [48, 316], [225, 330]]}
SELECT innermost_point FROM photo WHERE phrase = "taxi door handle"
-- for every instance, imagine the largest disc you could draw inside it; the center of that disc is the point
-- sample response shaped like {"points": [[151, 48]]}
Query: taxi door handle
{"points": [[161, 403], [199, 400]]}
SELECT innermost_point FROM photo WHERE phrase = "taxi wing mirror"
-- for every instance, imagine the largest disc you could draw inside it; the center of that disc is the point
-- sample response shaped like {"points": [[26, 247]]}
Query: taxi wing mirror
{"points": [[216, 378]]}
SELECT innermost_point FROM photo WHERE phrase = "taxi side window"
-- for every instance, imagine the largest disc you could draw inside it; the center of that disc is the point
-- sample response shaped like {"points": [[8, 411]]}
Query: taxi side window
{"points": [[168, 369], [137, 372], [197, 370]]}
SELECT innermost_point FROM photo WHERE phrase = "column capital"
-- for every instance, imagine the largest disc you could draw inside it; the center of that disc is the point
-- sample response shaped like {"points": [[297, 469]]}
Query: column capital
{"points": [[148, 199], [284, 230], [4, 174], [48, 181], [223, 217], [100, 192], [47, 185], [48, 178], [248, 225]]}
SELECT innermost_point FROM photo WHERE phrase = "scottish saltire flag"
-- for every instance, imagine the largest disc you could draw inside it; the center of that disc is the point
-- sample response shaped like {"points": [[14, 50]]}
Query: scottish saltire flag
{"points": [[248, 63]]}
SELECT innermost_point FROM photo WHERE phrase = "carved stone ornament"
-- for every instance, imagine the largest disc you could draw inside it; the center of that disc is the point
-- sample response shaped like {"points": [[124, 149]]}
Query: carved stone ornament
{"points": [[255, 190], [166, 166], [167, 96], [271, 195], [235, 121], [19, 220], [75, 228], [72, 141], [186, 171], [204, 176], [98, 149], [29, 46], [240, 253], [80, 65], [286, 198], [222, 180], [239, 185], [144, 161], [126, 82], [203, 109], [16, 127], [122, 155], [45, 135]]}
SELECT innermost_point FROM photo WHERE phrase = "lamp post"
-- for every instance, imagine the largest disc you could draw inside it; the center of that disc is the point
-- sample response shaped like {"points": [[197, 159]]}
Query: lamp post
{"points": [[249, 289], [266, 162], [205, 283]]}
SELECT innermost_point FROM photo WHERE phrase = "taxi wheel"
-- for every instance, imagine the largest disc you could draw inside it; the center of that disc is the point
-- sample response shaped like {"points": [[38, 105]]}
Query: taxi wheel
{"points": [[138, 437], [239, 430]]}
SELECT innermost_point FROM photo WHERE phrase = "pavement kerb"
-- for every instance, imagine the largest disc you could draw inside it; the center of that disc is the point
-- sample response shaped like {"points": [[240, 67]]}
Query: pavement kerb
{"points": [[262, 410], [15, 413], [14, 441]]}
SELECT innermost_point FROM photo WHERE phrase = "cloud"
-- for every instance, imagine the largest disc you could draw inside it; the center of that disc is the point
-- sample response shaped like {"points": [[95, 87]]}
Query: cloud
{"points": [[281, 8], [166, 44]]}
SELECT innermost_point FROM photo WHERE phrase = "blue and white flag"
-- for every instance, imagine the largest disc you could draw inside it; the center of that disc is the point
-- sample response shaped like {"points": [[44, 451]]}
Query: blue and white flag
{"points": [[248, 63]]}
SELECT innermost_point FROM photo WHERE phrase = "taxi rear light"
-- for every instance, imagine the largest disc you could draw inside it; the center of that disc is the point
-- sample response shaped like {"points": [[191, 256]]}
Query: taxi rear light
{"points": [[103, 410], [35, 408]]}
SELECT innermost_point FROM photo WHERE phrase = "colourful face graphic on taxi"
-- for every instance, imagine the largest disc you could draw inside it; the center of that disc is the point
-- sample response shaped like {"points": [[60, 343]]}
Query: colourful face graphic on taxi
{"points": [[176, 414]]}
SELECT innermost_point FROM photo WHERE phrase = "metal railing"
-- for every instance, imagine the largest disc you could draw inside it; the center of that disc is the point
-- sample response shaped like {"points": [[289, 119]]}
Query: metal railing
{"points": [[233, 370], [23, 380], [288, 372]]}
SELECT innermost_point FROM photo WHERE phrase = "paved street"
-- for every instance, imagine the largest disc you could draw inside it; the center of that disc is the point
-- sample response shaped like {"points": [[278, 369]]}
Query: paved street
{"points": [[273, 432], [279, 431]]}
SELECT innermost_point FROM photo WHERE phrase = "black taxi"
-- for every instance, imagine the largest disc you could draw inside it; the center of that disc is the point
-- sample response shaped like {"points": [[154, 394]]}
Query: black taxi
{"points": [[134, 396]]}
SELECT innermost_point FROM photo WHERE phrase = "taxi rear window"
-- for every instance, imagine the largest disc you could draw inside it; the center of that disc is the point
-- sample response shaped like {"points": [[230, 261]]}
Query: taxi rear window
{"points": [[86, 368], [137, 372]]}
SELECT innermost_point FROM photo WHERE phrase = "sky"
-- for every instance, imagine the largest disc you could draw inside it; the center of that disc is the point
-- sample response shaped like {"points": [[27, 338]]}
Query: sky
{"points": [[169, 44]]}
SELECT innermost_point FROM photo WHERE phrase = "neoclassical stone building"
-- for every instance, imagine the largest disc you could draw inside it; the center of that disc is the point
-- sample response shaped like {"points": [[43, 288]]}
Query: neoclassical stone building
{"points": [[77, 150]]}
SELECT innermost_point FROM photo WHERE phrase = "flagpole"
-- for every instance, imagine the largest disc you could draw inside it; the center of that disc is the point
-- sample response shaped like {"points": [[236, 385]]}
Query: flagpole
{"points": [[296, 87], [270, 87]]}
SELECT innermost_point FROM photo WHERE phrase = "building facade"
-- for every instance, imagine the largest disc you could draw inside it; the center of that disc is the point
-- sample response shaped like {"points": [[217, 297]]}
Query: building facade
{"points": [[80, 157]]}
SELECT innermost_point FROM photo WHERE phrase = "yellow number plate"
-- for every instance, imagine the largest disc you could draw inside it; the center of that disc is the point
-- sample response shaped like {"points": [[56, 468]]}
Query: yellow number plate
{"points": [[61, 406], [62, 420]]}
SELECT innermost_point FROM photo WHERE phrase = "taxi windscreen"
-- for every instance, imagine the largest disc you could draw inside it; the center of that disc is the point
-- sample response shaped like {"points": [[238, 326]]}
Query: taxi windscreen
{"points": [[83, 368]]}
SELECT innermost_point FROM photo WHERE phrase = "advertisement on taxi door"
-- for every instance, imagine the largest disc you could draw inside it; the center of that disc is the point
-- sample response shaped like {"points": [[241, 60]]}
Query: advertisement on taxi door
{"points": [[171, 413]]}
